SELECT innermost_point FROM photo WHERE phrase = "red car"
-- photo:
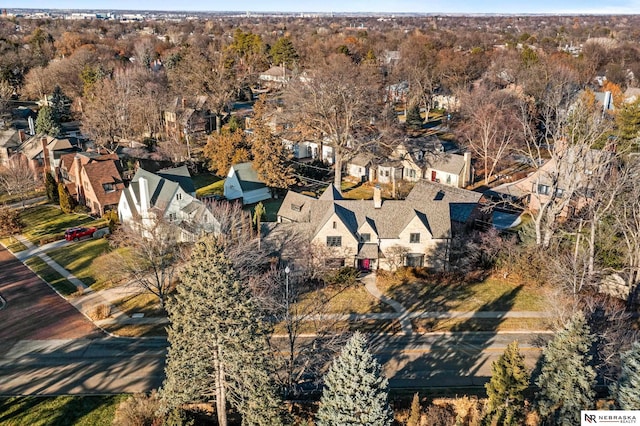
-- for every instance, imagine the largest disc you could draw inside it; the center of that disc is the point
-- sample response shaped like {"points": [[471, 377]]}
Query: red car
{"points": [[76, 233]]}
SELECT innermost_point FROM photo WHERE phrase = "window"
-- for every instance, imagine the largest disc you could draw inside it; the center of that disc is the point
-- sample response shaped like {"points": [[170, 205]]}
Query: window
{"points": [[411, 173], [448, 179], [414, 259], [296, 207], [334, 241], [365, 238], [414, 237], [543, 189], [335, 225], [108, 187], [172, 216], [178, 196]]}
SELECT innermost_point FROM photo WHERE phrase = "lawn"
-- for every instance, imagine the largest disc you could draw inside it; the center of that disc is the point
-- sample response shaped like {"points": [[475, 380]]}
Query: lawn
{"points": [[271, 208], [16, 198], [144, 303], [59, 411], [81, 260], [48, 274], [341, 299], [48, 222], [208, 184], [363, 191], [433, 292], [423, 325], [13, 245]]}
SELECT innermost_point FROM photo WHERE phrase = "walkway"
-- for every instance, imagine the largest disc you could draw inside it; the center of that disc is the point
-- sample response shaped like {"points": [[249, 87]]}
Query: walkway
{"points": [[402, 314]]}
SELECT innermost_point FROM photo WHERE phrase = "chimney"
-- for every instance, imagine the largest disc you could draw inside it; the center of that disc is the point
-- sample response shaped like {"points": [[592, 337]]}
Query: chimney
{"points": [[77, 168], [32, 126], [45, 154], [466, 179], [22, 136], [377, 197], [184, 103], [144, 195]]}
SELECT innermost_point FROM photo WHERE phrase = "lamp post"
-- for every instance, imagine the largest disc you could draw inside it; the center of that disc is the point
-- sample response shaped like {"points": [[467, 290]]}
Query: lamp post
{"points": [[286, 284], [289, 326]]}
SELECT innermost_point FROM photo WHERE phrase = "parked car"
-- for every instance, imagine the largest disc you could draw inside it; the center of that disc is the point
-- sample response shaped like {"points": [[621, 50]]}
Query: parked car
{"points": [[76, 233]]}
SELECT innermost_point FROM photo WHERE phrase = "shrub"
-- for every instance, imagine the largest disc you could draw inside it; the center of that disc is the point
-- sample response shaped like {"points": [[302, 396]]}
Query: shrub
{"points": [[100, 312], [346, 276], [111, 216], [81, 209], [50, 238], [139, 410]]}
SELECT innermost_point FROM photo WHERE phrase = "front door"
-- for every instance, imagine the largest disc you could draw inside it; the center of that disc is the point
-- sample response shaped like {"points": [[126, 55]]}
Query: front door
{"points": [[433, 175], [365, 264]]}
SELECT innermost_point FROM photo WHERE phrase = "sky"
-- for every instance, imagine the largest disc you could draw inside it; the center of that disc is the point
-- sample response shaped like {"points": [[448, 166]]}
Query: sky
{"points": [[384, 6]]}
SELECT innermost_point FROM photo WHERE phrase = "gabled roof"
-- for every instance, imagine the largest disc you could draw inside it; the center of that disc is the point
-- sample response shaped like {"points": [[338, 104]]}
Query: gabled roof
{"points": [[181, 176], [161, 190], [448, 163], [9, 138], [100, 173], [331, 193], [247, 177]]}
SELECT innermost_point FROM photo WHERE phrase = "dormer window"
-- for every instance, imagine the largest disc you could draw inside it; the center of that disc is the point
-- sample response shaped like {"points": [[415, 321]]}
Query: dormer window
{"points": [[365, 238], [108, 187], [297, 207]]}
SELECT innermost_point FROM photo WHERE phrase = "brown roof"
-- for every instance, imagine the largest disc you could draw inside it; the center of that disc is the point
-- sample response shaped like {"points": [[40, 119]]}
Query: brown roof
{"points": [[104, 172]]}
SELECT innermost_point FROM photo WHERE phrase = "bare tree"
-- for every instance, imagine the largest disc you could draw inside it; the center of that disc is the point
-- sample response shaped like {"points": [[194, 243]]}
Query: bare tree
{"points": [[336, 100], [18, 178], [149, 255]]}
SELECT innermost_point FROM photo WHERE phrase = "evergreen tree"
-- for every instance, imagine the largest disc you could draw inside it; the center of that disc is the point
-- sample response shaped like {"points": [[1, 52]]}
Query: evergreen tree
{"points": [[628, 125], [46, 123], [355, 392], [51, 187], [509, 380], [567, 379], [269, 153], [283, 52], [627, 391], [60, 106], [218, 341], [414, 120], [67, 202], [415, 413]]}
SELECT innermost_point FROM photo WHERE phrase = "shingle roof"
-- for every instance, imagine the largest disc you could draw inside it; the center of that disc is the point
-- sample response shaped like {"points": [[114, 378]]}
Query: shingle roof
{"points": [[161, 190], [181, 176], [104, 172], [248, 177], [331, 193]]}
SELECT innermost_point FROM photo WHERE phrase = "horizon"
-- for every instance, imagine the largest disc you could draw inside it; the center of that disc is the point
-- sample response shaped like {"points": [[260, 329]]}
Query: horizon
{"points": [[416, 7]]}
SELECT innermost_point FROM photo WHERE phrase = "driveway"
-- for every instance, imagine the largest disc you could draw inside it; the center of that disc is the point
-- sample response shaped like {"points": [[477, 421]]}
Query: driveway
{"points": [[33, 311]]}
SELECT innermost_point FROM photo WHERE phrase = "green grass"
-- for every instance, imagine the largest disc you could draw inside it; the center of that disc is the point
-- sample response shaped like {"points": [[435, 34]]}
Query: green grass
{"points": [[59, 411], [10, 199], [208, 184], [145, 303], [48, 274], [271, 208], [339, 299], [47, 221], [13, 244], [78, 258], [440, 293]]}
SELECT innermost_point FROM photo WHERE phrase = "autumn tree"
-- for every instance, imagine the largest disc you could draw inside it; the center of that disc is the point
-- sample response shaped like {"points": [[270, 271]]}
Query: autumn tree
{"points": [[227, 148], [218, 341], [270, 156], [562, 396], [509, 381], [10, 222], [336, 101], [355, 392]]}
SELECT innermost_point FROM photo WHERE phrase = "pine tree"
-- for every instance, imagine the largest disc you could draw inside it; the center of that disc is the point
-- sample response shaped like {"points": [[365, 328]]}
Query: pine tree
{"points": [[567, 379], [218, 341], [355, 392], [46, 123], [60, 106], [51, 188], [509, 380], [627, 391], [416, 411], [283, 52], [67, 202], [270, 156], [413, 119]]}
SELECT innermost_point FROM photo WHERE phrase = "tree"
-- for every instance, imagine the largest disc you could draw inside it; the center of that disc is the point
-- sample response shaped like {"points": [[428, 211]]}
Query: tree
{"points": [[67, 202], [626, 391], [415, 413], [225, 149], [336, 102], [509, 380], [355, 392], [60, 106], [149, 256], [17, 177], [627, 120], [413, 119], [567, 379], [10, 222], [270, 156], [51, 188], [283, 53], [46, 122], [218, 340]]}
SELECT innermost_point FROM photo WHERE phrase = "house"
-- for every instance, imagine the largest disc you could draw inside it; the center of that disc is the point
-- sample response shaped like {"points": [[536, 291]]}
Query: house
{"points": [[186, 117], [10, 140], [450, 169], [93, 179], [275, 77], [383, 234], [44, 152], [167, 195], [243, 183], [303, 149], [360, 166]]}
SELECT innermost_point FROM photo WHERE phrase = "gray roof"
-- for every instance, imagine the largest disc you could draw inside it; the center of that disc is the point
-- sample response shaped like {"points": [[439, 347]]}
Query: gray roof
{"points": [[248, 177], [331, 193], [161, 190], [436, 205], [181, 176], [449, 163]]}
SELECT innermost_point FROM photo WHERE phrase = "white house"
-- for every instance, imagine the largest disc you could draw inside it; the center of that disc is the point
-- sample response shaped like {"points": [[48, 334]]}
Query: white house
{"points": [[169, 196], [243, 183]]}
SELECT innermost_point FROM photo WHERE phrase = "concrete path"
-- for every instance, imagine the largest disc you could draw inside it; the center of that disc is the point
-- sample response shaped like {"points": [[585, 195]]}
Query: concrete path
{"points": [[402, 314]]}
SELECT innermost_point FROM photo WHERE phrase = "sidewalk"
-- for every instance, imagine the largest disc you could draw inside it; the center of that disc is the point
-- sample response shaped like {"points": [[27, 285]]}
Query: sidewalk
{"points": [[89, 299]]}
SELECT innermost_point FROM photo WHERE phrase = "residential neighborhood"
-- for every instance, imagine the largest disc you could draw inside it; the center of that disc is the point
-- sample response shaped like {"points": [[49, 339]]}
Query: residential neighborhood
{"points": [[279, 218]]}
